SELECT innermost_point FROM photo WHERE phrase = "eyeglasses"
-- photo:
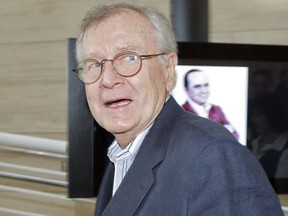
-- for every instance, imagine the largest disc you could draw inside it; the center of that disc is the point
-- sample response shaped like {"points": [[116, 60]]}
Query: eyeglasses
{"points": [[125, 64]]}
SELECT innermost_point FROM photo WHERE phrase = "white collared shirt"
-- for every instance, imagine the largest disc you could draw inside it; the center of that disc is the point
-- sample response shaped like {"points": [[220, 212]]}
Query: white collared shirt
{"points": [[201, 110], [278, 145], [123, 158]]}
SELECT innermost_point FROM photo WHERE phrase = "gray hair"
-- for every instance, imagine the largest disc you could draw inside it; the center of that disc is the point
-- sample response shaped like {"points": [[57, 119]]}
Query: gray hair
{"points": [[164, 35]]}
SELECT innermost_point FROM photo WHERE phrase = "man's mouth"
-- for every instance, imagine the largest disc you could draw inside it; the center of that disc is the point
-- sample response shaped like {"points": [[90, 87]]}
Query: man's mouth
{"points": [[118, 103]]}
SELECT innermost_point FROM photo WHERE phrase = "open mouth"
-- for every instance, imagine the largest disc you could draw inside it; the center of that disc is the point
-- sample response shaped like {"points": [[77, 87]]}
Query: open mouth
{"points": [[118, 103]]}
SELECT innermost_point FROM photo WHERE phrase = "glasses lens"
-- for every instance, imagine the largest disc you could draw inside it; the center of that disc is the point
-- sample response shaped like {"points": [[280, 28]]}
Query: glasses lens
{"points": [[91, 70], [127, 64]]}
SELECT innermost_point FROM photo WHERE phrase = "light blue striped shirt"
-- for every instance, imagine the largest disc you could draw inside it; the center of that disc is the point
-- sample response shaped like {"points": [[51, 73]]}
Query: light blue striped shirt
{"points": [[123, 158]]}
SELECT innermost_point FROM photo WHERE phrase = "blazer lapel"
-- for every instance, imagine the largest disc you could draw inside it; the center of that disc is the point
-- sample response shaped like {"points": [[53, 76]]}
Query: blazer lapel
{"points": [[134, 186], [139, 178], [105, 192]]}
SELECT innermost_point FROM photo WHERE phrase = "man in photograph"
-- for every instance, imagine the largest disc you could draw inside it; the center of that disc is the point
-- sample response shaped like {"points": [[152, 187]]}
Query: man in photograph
{"points": [[196, 84]]}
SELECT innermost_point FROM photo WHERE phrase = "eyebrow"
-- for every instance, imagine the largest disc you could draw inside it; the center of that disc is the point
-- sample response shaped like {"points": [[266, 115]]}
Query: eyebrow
{"points": [[199, 85]]}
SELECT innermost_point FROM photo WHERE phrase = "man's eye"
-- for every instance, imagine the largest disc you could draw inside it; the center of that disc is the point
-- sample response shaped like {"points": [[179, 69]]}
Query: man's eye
{"points": [[130, 58], [94, 66], [197, 86]]}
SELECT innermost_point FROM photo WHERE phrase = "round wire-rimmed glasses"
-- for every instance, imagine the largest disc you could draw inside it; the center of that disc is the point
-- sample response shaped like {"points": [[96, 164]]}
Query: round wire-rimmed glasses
{"points": [[125, 64]]}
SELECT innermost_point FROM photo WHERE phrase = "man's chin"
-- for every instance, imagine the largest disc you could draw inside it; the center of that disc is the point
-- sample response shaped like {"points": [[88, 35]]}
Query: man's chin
{"points": [[120, 130]]}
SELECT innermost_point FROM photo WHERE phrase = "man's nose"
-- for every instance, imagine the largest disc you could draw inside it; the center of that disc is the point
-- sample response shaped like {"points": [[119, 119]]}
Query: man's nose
{"points": [[109, 77], [203, 89]]}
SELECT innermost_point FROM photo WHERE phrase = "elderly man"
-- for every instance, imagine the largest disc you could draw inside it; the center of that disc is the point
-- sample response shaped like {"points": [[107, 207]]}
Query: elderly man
{"points": [[163, 161]]}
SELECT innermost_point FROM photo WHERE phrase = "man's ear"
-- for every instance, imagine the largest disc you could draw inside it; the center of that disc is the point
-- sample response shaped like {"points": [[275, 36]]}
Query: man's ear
{"points": [[172, 61]]}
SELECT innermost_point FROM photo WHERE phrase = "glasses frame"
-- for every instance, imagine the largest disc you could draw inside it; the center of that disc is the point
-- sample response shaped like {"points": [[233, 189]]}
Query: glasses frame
{"points": [[142, 57]]}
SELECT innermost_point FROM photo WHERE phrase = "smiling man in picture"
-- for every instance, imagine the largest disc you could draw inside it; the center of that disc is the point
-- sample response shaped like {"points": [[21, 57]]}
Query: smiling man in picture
{"points": [[197, 87]]}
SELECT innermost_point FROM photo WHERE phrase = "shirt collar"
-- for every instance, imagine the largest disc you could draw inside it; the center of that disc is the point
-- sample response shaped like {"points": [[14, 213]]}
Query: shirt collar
{"points": [[200, 109], [116, 153], [277, 145]]}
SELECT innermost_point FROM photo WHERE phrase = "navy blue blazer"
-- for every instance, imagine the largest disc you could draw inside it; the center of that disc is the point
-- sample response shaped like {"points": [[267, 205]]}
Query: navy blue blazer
{"points": [[188, 165]]}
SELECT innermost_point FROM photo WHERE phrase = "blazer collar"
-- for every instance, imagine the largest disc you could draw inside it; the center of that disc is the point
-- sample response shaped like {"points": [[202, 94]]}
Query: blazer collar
{"points": [[139, 178]]}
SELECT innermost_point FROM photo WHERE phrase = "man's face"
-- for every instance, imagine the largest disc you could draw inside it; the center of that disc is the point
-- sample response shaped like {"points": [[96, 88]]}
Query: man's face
{"points": [[198, 87], [260, 122], [261, 85], [125, 106]]}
